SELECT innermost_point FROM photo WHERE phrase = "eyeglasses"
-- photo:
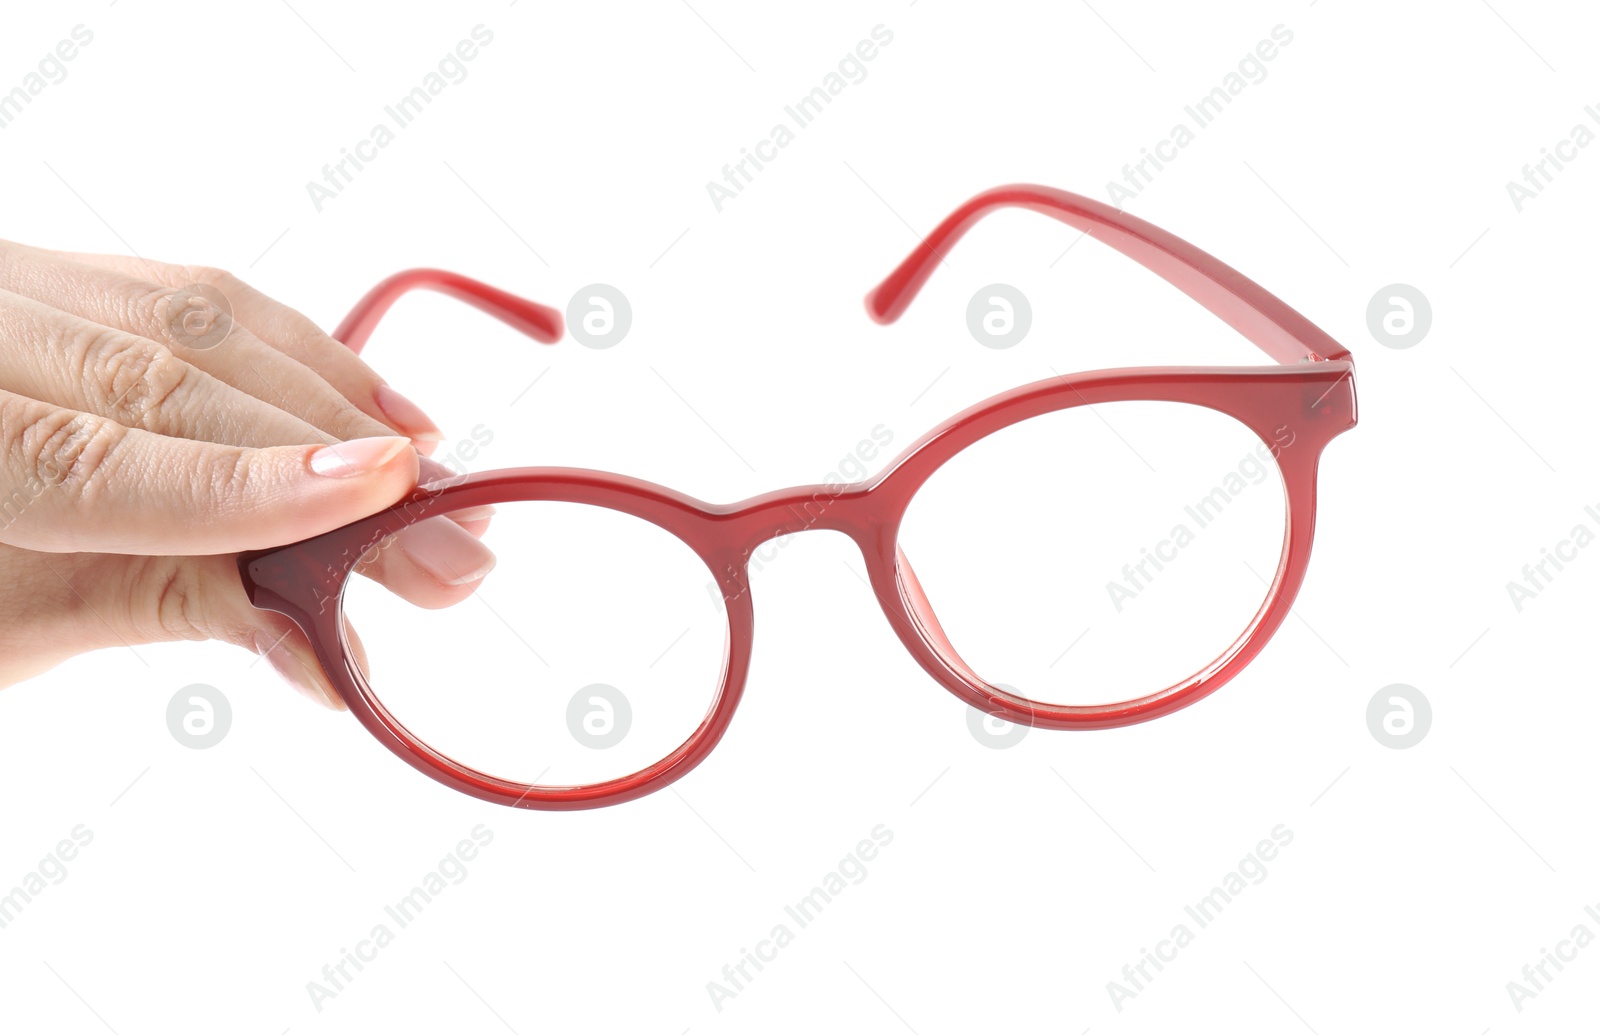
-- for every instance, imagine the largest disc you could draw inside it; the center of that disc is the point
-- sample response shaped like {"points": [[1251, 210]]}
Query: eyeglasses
{"points": [[1079, 539]]}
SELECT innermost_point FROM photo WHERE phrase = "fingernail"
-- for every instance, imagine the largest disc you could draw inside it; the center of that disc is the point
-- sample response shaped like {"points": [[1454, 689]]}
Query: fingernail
{"points": [[356, 457], [406, 415], [470, 514], [474, 520], [294, 671], [447, 552]]}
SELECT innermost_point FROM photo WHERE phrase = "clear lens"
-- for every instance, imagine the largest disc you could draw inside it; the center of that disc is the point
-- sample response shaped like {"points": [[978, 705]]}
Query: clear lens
{"points": [[1099, 554], [591, 650]]}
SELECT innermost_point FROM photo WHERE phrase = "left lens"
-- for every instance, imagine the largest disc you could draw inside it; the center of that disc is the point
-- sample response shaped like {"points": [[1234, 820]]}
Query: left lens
{"points": [[1099, 554]]}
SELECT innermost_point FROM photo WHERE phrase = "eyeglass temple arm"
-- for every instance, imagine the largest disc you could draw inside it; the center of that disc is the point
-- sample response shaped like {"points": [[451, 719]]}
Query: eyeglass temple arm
{"points": [[1243, 304], [531, 318]]}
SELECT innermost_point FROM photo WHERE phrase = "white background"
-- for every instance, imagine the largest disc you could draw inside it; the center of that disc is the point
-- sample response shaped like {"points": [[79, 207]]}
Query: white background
{"points": [[1020, 881]]}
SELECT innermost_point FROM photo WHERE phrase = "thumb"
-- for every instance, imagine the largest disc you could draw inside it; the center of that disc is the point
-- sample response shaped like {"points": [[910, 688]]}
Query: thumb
{"points": [[130, 601]]}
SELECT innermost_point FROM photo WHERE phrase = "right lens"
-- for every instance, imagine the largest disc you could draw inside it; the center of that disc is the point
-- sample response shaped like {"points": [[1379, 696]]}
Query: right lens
{"points": [[1094, 555], [593, 649]]}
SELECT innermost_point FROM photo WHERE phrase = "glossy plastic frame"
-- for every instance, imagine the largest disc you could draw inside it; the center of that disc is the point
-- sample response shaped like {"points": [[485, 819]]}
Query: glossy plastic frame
{"points": [[1310, 393]]}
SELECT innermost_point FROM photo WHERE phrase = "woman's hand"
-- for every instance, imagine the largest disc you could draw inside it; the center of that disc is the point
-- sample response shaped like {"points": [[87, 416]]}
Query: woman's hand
{"points": [[157, 419]]}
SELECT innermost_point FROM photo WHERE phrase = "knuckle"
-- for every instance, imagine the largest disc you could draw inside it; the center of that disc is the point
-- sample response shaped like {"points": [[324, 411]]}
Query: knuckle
{"points": [[144, 305], [199, 314], [230, 481], [218, 278], [170, 383], [169, 601], [59, 448], [137, 381]]}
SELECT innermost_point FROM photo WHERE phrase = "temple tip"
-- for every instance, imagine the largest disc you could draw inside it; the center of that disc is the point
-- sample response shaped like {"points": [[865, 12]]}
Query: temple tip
{"points": [[547, 325], [881, 308]]}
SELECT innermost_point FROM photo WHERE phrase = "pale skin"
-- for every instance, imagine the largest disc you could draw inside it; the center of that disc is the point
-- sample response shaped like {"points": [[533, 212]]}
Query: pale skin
{"points": [[134, 466]]}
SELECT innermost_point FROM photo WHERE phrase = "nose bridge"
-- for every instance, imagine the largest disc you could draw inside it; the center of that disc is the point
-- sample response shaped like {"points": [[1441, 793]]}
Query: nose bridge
{"points": [[800, 509]]}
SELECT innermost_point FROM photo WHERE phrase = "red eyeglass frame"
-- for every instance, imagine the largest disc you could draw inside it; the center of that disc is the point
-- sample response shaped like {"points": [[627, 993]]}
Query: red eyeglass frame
{"points": [[1310, 393]]}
